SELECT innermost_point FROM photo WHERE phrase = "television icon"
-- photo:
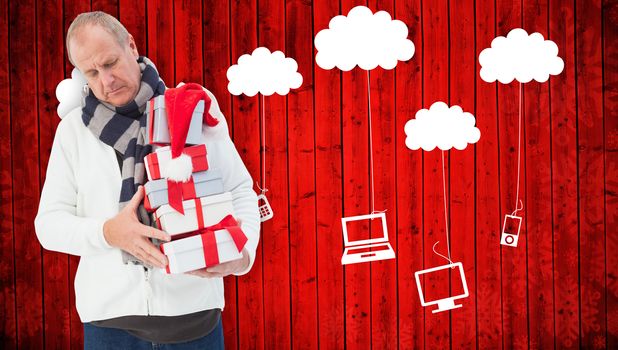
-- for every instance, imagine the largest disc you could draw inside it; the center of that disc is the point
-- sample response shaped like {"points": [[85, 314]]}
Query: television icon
{"points": [[444, 302], [510, 230], [359, 246]]}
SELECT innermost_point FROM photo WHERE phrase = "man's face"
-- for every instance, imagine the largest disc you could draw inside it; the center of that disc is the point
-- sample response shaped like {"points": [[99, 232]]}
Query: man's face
{"points": [[111, 69]]}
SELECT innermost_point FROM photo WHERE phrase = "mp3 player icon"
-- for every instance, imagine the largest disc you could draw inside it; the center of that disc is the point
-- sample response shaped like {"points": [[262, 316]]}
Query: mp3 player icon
{"points": [[510, 230]]}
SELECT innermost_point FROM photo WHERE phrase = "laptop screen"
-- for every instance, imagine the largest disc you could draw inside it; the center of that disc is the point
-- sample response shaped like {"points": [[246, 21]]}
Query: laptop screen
{"points": [[364, 229]]}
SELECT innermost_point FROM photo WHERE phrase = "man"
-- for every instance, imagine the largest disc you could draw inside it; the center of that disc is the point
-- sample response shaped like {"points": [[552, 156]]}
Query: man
{"points": [[92, 193]]}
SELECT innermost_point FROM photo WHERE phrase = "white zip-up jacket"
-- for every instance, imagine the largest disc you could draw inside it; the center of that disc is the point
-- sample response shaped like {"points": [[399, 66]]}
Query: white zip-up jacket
{"points": [[81, 192]]}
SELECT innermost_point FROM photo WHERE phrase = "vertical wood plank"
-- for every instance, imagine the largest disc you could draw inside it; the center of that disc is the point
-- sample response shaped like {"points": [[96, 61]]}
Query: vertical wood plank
{"points": [[564, 178], [188, 63], [408, 100], [462, 73], [245, 123], [217, 48], [50, 57], [301, 172], [610, 78], [435, 88], [24, 148], [488, 216], [329, 192], [161, 43], [276, 234], [538, 192], [356, 188], [8, 321], [591, 171], [383, 273], [107, 6], [132, 14], [514, 263]]}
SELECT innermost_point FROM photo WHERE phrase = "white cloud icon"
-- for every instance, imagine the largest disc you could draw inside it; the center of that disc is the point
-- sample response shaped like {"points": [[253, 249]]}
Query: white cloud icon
{"points": [[520, 56], [263, 72], [441, 126], [69, 93], [365, 39]]}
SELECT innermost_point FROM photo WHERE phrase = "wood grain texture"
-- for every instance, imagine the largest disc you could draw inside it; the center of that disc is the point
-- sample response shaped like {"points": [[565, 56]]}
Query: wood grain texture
{"points": [[8, 323], [409, 171], [301, 175], [488, 219], [25, 184], [56, 302], [593, 313], [329, 192], [610, 88], [462, 72], [557, 289], [435, 60], [245, 117]]}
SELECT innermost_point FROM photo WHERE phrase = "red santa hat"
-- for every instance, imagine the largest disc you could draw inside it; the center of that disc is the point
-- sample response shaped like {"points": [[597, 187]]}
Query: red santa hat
{"points": [[180, 103]]}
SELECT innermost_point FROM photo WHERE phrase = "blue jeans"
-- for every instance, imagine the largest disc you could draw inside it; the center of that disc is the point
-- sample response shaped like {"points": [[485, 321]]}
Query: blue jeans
{"points": [[100, 338]]}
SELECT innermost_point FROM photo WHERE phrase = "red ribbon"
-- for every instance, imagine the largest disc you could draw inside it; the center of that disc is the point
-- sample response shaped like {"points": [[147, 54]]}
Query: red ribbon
{"points": [[187, 192], [153, 166], [209, 241], [174, 195], [151, 111]]}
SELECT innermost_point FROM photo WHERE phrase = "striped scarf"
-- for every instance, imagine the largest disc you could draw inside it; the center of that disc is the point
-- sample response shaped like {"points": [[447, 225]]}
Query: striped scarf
{"points": [[124, 129]]}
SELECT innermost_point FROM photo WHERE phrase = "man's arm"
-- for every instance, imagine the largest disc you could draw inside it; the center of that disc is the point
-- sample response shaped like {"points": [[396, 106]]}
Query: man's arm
{"points": [[57, 226], [60, 229]]}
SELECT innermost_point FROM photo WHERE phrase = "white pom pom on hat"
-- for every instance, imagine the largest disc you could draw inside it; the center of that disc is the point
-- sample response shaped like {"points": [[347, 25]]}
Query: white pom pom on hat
{"points": [[178, 169]]}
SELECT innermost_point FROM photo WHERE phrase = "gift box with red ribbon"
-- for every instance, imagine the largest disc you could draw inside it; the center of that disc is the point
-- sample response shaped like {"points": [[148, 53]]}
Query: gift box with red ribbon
{"points": [[157, 162], [157, 123], [201, 184], [213, 245], [198, 213]]}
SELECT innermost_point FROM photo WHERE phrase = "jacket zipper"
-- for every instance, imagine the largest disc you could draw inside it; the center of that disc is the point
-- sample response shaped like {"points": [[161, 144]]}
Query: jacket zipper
{"points": [[147, 276]]}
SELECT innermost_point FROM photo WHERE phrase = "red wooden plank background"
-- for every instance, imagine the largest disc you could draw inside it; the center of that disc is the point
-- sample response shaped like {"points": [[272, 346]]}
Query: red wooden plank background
{"points": [[557, 289]]}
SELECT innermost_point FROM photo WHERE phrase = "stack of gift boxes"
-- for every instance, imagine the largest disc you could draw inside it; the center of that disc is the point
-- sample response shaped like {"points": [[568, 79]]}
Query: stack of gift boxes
{"points": [[185, 196]]}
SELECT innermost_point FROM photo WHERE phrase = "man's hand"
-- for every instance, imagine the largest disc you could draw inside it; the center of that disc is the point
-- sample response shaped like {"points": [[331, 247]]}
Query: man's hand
{"points": [[224, 269], [124, 231]]}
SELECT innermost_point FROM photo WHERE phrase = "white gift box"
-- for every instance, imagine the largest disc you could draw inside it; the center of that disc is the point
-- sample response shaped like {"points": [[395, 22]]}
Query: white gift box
{"points": [[188, 254], [158, 130], [210, 210], [161, 157], [201, 184]]}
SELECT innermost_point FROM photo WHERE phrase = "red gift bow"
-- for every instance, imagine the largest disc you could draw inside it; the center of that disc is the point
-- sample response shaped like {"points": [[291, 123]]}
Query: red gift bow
{"points": [[178, 191], [175, 189], [187, 191], [209, 241]]}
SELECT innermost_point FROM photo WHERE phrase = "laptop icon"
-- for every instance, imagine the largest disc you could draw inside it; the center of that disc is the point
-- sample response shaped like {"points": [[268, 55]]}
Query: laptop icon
{"points": [[365, 249]]}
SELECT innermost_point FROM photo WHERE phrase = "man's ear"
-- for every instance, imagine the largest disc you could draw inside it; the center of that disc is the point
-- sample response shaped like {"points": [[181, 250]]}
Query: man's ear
{"points": [[133, 46]]}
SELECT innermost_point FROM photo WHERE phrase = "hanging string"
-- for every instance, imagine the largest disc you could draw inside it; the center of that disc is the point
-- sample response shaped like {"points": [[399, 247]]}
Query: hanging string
{"points": [[448, 240], [434, 250], [263, 126], [519, 205], [371, 145]]}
